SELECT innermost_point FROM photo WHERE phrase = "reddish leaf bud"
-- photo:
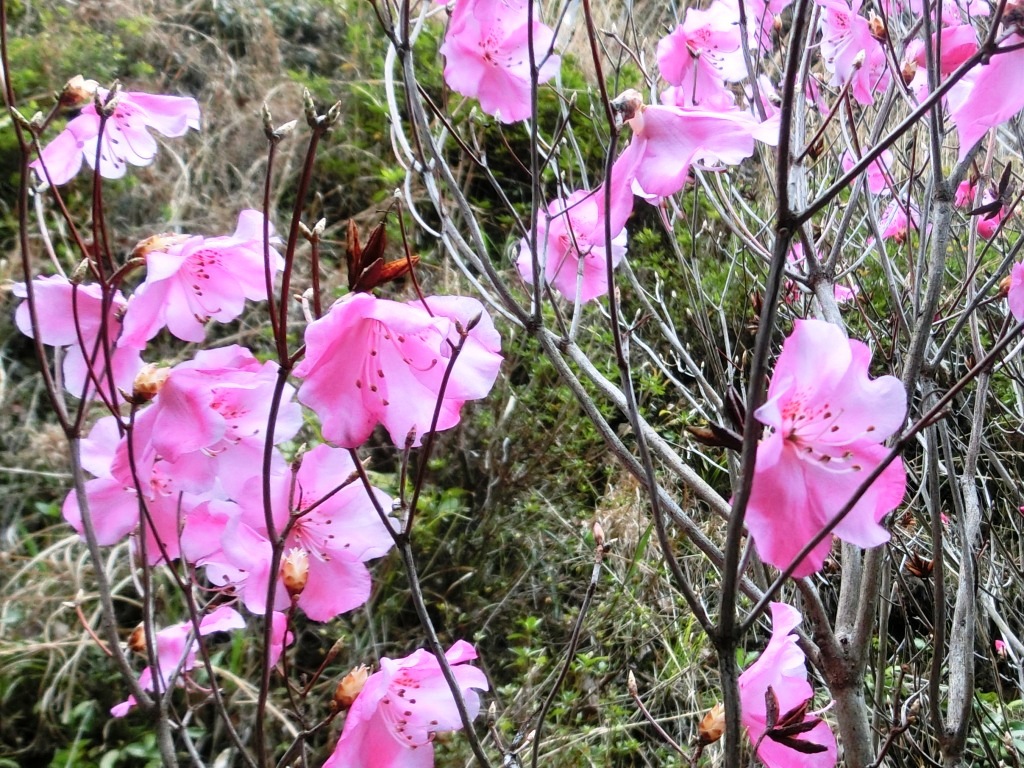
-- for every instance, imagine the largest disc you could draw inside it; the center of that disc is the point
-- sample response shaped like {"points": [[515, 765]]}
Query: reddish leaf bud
{"points": [[909, 71], [77, 92], [350, 686], [148, 383], [1004, 287], [712, 725], [877, 27], [137, 640], [157, 244]]}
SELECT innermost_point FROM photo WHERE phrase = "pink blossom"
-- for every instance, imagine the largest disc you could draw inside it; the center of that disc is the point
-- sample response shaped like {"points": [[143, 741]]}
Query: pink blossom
{"points": [[956, 44], [125, 135], [762, 20], [1000, 647], [825, 423], [371, 361], [159, 501], [176, 648], [782, 667], [402, 708], [73, 316], [898, 220], [988, 223], [190, 281], [877, 172], [850, 51], [571, 240], [209, 422], [487, 55], [702, 55], [988, 95], [328, 519], [1015, 295], [965, 192], [668, 140]]}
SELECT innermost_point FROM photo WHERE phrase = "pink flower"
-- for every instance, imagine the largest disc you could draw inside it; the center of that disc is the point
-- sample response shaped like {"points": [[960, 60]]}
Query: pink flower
{"points": [[114, 507], [956, 44], [965, 192], [702, 55], [73, 316], [192, 280], [402, 708], [335, 529], [176, 648], [850, 51], [488, 57], [207, 425], [988, 95], [371, 361], [762, 21], [125, 135], [898, 220], [782, 667], [571, 240], [988, 223], [668, 140], [1000, 647], [825, 423], [1015, 295], [877, 172]]}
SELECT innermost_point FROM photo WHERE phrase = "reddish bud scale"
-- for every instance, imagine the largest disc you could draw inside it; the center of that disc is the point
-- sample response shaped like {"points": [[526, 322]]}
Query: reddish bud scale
{"points": [[350, 686]]}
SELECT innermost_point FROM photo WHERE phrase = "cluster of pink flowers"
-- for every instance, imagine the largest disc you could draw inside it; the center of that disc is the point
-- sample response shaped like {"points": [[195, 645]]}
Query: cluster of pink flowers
{"points": [[185, 475], [667, 142]]}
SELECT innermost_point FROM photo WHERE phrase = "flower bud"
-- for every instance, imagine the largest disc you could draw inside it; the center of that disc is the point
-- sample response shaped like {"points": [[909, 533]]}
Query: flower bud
{"points": [[157, 244], [108, 105], [631, 684], [295, 571], [877, 28], [712, 726], [148, 383], [309, 107], [77, 92], [627, 105], [909, 71], [598, 534], [350, 686], [137, 640], [1004, 290]]}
